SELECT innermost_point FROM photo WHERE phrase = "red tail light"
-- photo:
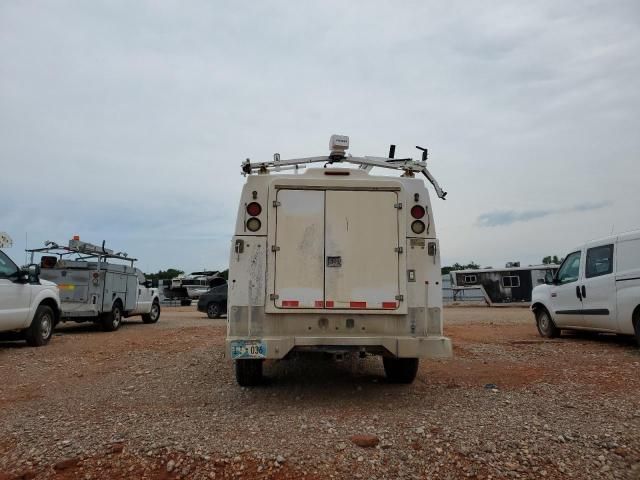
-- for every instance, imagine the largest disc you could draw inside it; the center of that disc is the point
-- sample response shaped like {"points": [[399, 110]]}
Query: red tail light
{"points": [[254, 209], [417, 211]]}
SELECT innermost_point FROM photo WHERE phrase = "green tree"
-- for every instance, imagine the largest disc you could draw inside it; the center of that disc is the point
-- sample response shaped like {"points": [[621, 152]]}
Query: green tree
{"points": [[459, 266], [167, 274], [548, 260]]}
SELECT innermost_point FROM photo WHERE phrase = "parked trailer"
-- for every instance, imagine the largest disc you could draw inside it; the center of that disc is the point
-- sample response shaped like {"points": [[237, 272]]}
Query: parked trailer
{"points": [[501, 286], [335, 260], [95, 288]]}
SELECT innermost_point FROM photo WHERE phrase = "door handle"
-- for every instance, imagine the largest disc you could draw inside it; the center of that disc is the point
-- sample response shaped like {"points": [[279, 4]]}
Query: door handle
{"points": [[578, 293], [584, 292]]}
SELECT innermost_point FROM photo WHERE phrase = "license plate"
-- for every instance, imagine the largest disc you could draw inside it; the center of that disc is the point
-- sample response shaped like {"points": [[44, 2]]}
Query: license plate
{"points": [[248, 349]]}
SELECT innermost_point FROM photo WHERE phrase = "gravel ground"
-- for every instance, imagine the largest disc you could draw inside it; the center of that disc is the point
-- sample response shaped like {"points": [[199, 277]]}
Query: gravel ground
{"points": [[159, 402]]}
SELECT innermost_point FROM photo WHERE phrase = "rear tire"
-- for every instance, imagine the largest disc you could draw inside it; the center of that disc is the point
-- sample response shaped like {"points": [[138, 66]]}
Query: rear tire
{"points": [[249, 372], [154, 315], [41, 328], [214, 310], [546, 327], [111, 321], [400, 370]]}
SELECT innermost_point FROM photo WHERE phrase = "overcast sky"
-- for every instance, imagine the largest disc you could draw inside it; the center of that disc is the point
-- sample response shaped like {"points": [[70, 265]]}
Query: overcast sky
{"points": [[128, 121]]}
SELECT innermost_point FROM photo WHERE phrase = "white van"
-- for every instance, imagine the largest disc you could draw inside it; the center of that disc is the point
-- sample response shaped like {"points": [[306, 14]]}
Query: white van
{"points": [[596, 288], [335, 260]]}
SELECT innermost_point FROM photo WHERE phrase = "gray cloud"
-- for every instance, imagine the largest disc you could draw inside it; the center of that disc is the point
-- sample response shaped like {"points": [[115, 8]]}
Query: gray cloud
{"points": [[509, 217]]}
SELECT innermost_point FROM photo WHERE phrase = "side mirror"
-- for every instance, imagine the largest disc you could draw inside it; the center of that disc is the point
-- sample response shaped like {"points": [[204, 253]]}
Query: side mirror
{"points": [[31, 273], [548, 278]]}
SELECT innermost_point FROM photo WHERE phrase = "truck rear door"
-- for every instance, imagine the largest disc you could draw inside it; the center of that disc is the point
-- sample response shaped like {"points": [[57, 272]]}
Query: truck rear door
{"points": [[361, 243], [299, 270], [337, 249]]}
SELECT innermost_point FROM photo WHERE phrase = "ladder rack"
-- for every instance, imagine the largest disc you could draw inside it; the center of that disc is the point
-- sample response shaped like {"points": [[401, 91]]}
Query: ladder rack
{"points": [[406, 165]]}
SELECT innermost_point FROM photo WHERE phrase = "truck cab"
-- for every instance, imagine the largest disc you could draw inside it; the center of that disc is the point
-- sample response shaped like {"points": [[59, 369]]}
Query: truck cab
{"points": [[29, 305], [335, 260]]}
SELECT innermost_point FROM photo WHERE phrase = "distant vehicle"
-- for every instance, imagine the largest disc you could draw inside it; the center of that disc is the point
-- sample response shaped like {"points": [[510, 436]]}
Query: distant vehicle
{"points": [[94, 288], [186, 288], [214, 302], [596, 288], [511, 284], [28, 304], [335, 260]]}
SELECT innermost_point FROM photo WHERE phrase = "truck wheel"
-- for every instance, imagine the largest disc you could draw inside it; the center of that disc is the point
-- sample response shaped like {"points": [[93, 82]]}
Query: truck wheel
{"points": [[153, 315], [41, 328], [249, 372], [214, 310], [546, 327], [636, 325], [111, 321], [400, 370]]}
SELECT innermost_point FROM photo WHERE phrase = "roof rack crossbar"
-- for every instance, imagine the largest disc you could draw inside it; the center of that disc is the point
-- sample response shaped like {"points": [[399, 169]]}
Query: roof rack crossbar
{"points": [[407, 165]]}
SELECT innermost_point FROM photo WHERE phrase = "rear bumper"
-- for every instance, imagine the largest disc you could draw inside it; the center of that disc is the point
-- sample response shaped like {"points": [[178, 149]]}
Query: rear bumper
{"points": [[405, 347]]}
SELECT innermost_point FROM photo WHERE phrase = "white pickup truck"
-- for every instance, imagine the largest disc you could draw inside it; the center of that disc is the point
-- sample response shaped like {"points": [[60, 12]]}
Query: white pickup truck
{"points": [[28, 305]]}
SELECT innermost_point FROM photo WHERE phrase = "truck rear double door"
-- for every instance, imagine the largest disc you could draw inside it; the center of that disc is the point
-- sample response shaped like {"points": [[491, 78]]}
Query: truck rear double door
{"points": [[337, 249]]}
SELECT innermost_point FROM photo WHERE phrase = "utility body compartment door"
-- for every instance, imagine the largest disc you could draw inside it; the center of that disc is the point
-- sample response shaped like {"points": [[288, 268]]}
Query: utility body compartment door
{"points": [[362, 250]]}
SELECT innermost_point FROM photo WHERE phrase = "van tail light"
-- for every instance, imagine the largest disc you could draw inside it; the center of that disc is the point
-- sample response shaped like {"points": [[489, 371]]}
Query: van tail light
{"points": [[418, 227], [254, 209], [253, 224], [417, 211]]}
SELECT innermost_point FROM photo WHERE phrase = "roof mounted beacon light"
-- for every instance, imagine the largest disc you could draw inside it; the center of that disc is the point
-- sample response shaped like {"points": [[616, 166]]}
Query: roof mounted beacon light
{"points": [[5, 240], [338, 145]]}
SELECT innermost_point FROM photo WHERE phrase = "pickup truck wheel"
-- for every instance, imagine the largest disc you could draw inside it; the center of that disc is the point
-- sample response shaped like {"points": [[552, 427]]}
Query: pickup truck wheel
{"points": [[214, 310], [111, 321], [400, 370], [636, 325], [41, 328], [546, 327], [153, 315], [249, 372]]}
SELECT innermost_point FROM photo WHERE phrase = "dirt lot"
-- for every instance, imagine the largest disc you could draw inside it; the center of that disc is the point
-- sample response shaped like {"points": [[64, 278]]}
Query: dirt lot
{"points": [[159, 401]]}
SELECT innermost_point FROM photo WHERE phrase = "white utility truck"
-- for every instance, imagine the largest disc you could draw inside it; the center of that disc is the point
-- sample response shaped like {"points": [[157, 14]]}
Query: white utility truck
{"points": [[95, 288], [29, 305], [596, 288], [335, 260]]}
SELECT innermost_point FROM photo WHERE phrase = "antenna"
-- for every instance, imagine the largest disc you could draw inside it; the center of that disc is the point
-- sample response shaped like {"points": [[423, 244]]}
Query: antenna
{"points": [[425, 153]]}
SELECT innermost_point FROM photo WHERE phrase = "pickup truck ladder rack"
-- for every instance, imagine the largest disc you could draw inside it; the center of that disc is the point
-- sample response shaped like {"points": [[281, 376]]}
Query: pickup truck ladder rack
{"points": [[407, 165], [83, 250]]}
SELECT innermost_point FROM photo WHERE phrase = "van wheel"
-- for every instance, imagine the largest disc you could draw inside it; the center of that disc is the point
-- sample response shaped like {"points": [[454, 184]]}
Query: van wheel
{"points": [[400, 370], [214, 310], [153, 315], [249, 372], [546, 327], [41, 328], [636, 325], [111, 321]]}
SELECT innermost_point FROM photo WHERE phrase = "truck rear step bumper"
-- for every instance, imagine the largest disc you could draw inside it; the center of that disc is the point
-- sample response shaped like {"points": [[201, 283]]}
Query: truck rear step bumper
{"points": [[420, 347]]}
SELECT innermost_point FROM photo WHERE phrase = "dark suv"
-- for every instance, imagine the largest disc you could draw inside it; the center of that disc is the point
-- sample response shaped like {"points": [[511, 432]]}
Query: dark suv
{"points": [[214, 302]]}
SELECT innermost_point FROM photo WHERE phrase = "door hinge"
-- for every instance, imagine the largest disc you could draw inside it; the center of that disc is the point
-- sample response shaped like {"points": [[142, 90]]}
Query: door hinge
{"points": [[276, 203], [400, 298], [273, 296], [275, 248], [398, 250], [398, 206]]}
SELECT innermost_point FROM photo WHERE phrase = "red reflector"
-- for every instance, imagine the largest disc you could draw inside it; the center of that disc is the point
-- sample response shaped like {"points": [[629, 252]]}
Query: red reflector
{"points": [[358, 304], [417, 211], [328, 304], [389, 305], [319, 304], [290, 303]]}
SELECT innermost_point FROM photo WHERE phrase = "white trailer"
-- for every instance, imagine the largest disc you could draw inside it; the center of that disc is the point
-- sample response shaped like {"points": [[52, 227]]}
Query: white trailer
{"points": [[335, 260], [95, 288]]}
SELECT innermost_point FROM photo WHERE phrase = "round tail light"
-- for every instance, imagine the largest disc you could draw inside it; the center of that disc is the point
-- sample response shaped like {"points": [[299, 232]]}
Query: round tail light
{"points": [[253, 224], [418, 227], [254, 209], [417, 211]]}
